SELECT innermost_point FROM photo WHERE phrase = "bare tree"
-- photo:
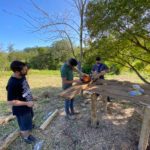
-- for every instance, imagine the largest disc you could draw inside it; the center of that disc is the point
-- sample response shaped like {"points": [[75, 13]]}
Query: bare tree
{"points": [[81, 7], [61, 26], [10, 48]]}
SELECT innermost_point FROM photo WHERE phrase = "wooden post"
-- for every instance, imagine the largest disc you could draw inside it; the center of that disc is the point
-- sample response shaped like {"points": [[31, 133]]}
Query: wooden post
{"points": [[105, 104], [145, 131], [94, 110], [49, 119], [82, 94], [99, 107]]}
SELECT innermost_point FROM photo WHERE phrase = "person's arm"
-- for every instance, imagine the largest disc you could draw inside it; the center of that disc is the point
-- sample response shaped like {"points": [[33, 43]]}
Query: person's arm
{"points": [[20, 103], [12, 97], [78, 71], [93, 69], [106, 69], [65, 81]]}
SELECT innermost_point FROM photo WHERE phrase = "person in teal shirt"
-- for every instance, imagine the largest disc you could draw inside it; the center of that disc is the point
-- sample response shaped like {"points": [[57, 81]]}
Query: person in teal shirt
{"points": [[67, 81]]}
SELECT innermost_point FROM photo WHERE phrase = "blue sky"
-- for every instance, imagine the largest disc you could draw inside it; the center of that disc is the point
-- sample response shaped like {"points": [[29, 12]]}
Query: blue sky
{"points": [[14, 30]]}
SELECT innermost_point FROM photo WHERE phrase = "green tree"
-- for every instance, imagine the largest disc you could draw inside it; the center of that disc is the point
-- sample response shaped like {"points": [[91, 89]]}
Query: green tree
{"points": [[119, 30], [49, 57], [4, 63]]}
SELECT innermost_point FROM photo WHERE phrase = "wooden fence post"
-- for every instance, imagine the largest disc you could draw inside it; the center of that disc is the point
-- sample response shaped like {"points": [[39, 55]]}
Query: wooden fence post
{"points": [[94, 110], [145, 131]]}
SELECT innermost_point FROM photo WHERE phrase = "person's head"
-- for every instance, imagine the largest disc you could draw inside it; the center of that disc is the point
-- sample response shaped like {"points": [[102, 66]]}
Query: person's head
{"points": [[98, 60], [19, 68], [72, 62]]}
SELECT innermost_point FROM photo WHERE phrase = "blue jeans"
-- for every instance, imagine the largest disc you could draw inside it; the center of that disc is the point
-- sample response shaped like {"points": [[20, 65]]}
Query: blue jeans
{"points": [[69, 106]]}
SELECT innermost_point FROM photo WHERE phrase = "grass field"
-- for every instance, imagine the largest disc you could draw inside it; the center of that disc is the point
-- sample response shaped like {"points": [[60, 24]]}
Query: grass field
{"points": [[41, 81], [38, 80], [45, 78], [48, 80]]}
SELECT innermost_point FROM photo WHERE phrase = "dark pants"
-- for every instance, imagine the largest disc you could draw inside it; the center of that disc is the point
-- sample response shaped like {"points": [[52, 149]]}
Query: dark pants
{"points": [[25, 121], [69, 106]]}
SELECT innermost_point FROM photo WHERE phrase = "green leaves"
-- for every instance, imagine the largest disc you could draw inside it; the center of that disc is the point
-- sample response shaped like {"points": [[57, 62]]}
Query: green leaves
{"points": [[39, 57], [120, 31]]}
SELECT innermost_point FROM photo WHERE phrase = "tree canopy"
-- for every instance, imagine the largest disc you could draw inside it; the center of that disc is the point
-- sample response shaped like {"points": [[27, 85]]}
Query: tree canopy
{"points": [[120, 32]]}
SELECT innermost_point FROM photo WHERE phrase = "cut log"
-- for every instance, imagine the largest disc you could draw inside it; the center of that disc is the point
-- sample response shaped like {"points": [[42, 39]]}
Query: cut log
{"points": [[70, 92], [49, 119], [73, 91], [94, 110], [145, 131], [4, 145], [6, 119], [104, 101]]}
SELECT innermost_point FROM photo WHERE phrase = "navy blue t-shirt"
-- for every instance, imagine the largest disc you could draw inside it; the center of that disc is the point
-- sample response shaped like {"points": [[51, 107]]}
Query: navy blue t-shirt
{"points": [[99, 67], [18, 89]]}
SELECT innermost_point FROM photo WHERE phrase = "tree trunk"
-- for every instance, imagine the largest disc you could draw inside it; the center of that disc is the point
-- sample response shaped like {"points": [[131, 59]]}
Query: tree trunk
{"points": [[133, 68], [81, 36], [138, 74]]}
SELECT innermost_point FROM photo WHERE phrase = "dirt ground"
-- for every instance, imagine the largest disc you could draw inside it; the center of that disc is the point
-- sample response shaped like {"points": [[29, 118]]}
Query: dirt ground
{"points": [[119, 129]]}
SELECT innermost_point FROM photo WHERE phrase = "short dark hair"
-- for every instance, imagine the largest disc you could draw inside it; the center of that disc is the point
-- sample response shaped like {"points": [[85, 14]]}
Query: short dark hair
{"points": [[17, 65], [98, 59], [73, 62]]}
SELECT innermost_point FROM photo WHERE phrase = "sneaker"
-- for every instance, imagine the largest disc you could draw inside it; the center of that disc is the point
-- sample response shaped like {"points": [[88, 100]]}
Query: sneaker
{"points": [[28, 141], [32, 138]]}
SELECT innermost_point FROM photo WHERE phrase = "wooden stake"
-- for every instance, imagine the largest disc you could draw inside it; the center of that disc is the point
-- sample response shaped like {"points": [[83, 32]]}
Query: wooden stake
{"points": [[82, 93], [105, 104], [145, 131], [6, 119], [94, 110], [4, 145], [99, 107], [48, 120]]}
